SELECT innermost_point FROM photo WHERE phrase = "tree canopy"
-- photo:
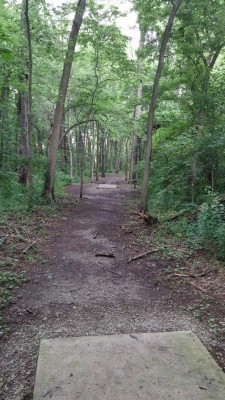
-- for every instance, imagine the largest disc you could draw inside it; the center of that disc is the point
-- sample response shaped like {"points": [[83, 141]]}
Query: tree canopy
{"points": [[103, 126]]}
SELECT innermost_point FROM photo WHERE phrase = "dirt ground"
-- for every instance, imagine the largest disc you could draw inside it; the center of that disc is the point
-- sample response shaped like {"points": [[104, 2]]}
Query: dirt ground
{"points": [[74, 292]]}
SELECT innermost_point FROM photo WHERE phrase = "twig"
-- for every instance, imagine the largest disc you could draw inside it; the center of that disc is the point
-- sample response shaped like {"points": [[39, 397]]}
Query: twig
{"points": [[104, 255], [28, 247], [142, 255], [95, 236], [190, 275]]}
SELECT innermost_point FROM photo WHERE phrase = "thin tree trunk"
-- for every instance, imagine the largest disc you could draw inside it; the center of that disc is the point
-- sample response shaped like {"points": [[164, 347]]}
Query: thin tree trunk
{"points": [[92, 152], [151, 113], [137, 113], [29, 111], [70, 155], [4, 121], [103, 152], [82, 164], [54, 140], [117, 158], [135, 139], [126, 160], [97, 156]]}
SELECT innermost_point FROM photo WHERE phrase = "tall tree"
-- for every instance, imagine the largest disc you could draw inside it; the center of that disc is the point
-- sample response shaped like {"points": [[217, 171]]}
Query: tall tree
{"points": [[55, 134], [29, 111], [151, 113]]}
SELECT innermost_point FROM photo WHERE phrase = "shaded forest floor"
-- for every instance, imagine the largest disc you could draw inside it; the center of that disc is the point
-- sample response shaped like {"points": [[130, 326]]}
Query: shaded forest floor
{"points": [[61, 288]]}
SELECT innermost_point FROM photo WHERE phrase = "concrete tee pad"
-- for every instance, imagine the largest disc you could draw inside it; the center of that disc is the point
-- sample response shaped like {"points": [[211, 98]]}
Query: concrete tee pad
{"points": [[104, 186], [144, 366]]}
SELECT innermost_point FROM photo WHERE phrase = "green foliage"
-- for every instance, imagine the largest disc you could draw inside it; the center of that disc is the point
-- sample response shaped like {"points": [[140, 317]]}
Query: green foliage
{"points": [[209, 229], [206, 231], [8, 280]]}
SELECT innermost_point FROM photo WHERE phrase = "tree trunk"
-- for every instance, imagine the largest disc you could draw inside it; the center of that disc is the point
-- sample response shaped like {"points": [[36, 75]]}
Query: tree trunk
{"points": [[97, 155], [126, 160], [151, 113], [137, 113], [23, 151], [29, 111], [82, 164], [117, 158], [4, 121], [70, 155], [135, 139], [54, 140], [24, 104], [103, 152]]}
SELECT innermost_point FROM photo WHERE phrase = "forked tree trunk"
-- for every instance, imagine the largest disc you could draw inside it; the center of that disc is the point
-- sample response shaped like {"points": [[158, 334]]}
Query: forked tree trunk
{"points": [[54, 140], [151, 113]]}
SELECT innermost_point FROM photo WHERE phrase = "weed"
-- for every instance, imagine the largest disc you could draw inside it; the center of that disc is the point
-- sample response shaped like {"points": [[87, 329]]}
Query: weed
{"points": [[8, 280]]}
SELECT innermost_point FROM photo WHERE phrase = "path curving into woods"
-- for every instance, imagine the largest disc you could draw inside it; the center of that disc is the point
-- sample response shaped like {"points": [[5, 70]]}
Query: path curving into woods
{"points": [[76, 293]]}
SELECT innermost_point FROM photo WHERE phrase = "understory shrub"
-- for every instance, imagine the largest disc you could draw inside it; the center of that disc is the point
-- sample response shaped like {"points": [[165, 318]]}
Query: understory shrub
{"points": [[206, 231]]}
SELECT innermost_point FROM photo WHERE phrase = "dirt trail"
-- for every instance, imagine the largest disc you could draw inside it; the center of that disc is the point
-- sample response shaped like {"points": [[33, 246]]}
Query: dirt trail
{"points": [[76, 293]]}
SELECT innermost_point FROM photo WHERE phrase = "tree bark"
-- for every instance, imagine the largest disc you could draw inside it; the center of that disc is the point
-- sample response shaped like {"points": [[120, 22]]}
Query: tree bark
{"points": [[135, 139], [54, 140], [117, 158], [103, 152], [24, 105], [151, 113], [29, 111], [97, 154], [4, 98]]}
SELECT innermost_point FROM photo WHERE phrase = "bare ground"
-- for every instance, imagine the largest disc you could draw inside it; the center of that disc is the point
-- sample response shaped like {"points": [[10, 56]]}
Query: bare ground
{"points": [[71, 292]]}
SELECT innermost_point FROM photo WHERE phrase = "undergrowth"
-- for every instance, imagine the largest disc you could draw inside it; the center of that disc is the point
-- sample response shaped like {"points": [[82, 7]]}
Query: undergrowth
{"points": [[206, 231]]}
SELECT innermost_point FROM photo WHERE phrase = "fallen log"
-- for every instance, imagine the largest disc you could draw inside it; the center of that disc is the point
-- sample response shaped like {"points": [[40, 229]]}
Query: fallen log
{"points": [[203, 274], [191, 215], [142, 255]]}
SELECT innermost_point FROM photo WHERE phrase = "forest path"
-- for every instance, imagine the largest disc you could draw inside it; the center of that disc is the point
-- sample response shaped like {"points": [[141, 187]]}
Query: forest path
{"points": [[75, 293]]}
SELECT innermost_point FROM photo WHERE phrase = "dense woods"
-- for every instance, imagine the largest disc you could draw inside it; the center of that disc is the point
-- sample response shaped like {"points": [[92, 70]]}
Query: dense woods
{"points": [[103, 122]]}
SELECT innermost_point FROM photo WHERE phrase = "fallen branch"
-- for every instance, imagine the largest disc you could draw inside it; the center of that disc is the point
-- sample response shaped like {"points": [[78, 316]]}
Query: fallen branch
{"points": [[190, 275], [28, 247], [142, 255], [111, 255], [183, 276]]}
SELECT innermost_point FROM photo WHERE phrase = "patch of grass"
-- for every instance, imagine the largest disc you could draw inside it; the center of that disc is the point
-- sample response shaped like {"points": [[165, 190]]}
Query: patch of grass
{"points": [[8, 281]]}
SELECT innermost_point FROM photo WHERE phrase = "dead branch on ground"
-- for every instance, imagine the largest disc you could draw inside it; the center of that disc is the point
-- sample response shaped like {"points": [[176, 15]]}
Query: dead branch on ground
{"points": [[28, 247], [111, 255], [142, 255]]}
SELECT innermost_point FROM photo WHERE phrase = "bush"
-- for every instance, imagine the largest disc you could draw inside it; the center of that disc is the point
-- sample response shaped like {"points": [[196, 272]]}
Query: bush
{"points": [[207, 231]]}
